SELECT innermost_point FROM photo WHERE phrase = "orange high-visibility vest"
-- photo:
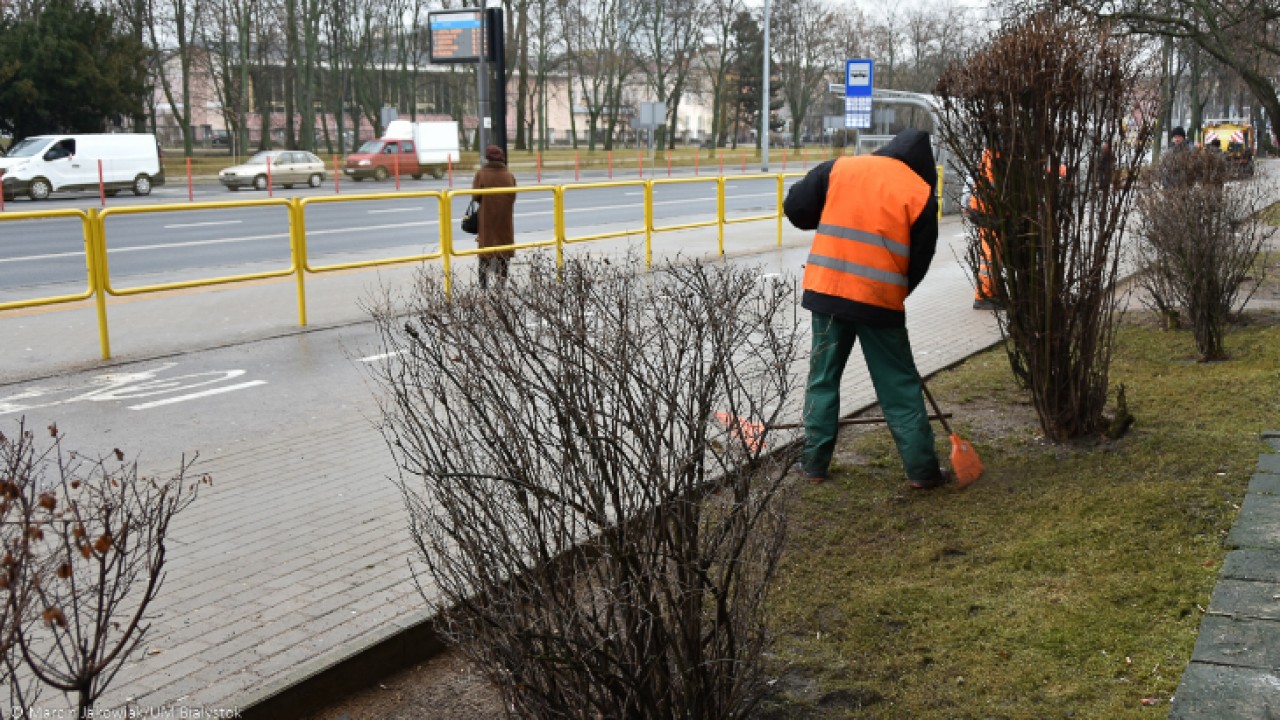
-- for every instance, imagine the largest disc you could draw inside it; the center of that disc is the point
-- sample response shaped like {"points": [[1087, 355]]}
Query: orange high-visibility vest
{"points": [[986, 287], [862, 248]]}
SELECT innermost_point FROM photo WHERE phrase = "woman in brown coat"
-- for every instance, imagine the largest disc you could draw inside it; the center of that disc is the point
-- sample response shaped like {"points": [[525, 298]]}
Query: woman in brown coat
{"points": [[497, 221]]}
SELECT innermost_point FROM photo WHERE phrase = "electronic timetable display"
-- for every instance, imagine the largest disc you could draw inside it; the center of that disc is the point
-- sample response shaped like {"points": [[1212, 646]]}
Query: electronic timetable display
{"points": [[456, 36]]}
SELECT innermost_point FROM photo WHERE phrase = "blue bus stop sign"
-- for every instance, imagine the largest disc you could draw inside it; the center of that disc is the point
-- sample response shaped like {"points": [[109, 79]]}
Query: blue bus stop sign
{"points": [[858, 81]]}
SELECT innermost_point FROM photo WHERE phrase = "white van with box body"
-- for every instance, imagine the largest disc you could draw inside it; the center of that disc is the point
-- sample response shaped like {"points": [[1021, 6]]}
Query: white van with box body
{"points": [[437, 142], [44, 164]]}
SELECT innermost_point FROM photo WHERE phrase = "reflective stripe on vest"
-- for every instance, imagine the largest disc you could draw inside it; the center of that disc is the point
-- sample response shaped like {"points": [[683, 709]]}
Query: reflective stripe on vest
{"points": [[862, 247]]}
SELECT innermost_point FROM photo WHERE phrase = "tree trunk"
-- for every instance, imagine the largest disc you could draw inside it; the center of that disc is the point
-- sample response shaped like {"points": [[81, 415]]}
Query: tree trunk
{"points": [[290, 72]]}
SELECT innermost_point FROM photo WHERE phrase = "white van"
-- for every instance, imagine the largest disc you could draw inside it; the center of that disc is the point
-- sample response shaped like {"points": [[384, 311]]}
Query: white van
{"points": [[437, 142], [44, 164]]}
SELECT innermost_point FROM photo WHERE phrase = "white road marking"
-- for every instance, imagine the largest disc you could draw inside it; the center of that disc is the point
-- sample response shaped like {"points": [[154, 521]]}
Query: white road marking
{"points": [[203, 224], [193, 396], [395, 210], [383, 356]]}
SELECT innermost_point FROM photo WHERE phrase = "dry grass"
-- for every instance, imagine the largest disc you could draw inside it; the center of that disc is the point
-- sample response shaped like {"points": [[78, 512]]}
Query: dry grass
{"points": [[1068, 582]]}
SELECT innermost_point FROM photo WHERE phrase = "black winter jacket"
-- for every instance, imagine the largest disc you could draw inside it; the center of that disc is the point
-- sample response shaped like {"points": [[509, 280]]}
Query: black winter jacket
{"points": [[807, 198]]}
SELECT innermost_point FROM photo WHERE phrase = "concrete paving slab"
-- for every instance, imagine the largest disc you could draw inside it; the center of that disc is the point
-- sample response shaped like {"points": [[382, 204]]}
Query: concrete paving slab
{"points": [[1258, 525], [1269, 463], [1217, 692], [1239, 642], [1272, 439], [1246, 599], [1264, 484], [1252, 564]]}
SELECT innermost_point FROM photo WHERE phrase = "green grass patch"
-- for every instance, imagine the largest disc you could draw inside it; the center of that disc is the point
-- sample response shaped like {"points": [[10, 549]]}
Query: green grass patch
{"points": [[1068, 582]]}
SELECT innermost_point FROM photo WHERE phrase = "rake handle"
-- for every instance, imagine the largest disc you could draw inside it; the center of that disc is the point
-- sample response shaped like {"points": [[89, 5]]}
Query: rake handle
{"points": [[939, 414], [855, 421]]}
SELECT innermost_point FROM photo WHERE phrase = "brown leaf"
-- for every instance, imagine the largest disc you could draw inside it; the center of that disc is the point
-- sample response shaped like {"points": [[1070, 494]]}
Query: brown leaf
{"points": [[53, 430], [54, 616], [119, 454], [64, 571], [85, 550], [103, 543], [48, 501]]}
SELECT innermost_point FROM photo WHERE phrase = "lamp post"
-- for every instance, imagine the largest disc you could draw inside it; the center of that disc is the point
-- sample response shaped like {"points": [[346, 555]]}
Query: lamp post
{"points": [[764, 98]]}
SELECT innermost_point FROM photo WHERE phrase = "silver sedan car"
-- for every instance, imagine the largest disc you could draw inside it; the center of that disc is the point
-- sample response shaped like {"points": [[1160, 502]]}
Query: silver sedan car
{"points": [[287, 168]]}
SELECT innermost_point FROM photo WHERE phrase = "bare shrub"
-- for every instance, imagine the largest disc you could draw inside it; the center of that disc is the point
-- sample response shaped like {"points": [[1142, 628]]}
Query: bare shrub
{"points": [[599, 542], [85, 544], [1047, 100], [1200, 240]]}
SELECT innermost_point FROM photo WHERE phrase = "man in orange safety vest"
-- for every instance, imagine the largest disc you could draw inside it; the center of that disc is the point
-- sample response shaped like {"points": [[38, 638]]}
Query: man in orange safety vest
{"points": [[876, 222]]}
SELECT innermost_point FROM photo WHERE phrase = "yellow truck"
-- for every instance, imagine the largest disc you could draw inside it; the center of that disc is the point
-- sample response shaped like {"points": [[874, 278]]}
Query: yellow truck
{"points": [[1234, 138]]}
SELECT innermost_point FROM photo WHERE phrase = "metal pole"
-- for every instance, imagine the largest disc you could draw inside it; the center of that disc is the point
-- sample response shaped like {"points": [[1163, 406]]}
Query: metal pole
{"points": [[764, 98], [482, 83]]}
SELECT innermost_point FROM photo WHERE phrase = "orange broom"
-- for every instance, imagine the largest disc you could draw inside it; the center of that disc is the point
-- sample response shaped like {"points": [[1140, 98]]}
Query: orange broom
{"points": [[965, 462]]}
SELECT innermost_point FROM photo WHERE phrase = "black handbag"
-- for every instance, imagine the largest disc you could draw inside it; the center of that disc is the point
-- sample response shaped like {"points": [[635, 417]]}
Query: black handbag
{"points": [[471, 218]]}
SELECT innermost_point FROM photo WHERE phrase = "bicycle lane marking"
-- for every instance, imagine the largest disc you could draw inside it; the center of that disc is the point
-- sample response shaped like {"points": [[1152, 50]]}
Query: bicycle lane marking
{"points": [[194, 396], [125, 387]]}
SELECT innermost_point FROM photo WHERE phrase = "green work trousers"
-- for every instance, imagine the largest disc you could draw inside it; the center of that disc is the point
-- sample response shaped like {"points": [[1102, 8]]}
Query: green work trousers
{"points": [[897, 384]]}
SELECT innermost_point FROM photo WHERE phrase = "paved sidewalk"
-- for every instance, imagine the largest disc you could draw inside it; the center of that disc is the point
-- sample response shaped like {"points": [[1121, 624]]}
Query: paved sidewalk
{"points": [[1234, 672], [298, 556]]}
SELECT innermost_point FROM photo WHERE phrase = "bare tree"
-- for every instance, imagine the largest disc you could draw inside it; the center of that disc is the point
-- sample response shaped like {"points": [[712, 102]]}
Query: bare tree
{"points": [[717, 59], [1240, 35], [802, 43], [1030, 117], [178, 20], [548, 55], [595, 539], [93, 546], [599, 35], [669, 39], [19, 506], [1200, 241]]}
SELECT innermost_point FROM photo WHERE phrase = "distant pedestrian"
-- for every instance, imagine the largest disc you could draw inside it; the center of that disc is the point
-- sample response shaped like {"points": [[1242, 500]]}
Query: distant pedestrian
{"points": [[1106, 166], [497, 216], [1173, 166], [876, 218]]}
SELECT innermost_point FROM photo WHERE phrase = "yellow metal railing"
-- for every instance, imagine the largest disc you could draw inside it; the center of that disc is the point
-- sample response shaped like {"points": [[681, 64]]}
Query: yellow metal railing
{"points": [[651, 227], [447, 229], [95, 226], [86, 224], [648, 210]]}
